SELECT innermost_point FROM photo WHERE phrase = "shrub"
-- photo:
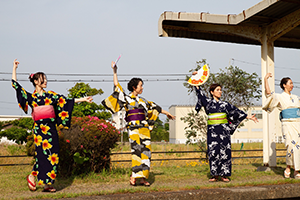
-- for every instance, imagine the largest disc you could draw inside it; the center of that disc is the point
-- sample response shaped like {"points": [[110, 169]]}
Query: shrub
{"points": [[86, 146]]}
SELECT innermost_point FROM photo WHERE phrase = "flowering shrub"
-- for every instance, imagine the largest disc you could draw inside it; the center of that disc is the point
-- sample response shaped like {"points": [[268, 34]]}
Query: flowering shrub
{"points": [[86, 145]]}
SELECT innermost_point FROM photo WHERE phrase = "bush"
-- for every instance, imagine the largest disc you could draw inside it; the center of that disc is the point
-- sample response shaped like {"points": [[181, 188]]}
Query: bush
{"points": [[86, 146]]}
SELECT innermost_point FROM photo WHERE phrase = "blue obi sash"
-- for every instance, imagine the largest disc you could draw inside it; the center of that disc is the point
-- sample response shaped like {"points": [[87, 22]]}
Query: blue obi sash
{"points": [[290, 113]]}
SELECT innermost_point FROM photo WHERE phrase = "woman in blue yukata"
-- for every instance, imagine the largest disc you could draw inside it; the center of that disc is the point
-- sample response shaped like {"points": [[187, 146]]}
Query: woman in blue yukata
{"points": [[49, 110], [223, 119], [140, 117]]}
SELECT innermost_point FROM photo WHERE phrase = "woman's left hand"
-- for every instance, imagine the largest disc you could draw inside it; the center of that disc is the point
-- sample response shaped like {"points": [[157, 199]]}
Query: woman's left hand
{"points": [[253, 118], [170, 116], [88, 99]]}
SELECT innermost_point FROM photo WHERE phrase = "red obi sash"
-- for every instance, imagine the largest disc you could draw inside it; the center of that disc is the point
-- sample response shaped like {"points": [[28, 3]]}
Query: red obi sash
{"points": [[43, 112], [136, 114]]}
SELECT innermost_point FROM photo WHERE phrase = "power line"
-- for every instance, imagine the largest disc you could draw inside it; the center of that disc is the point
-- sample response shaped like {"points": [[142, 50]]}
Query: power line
{"points": [[53, 74], [80, 80], [251, 63]]}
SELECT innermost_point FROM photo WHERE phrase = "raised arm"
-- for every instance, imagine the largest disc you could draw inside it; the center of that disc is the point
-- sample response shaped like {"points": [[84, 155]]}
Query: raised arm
{"points": [[267, 87], [114, 67], [14, 72]]}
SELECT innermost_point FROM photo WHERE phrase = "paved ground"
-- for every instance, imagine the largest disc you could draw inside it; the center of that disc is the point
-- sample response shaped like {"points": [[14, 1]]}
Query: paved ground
{"points": [[286, 191]]}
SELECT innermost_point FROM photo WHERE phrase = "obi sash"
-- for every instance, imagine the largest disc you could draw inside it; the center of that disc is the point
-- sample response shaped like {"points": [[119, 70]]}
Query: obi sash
{"points": [[290, 113], [43, 112], [217, 118], [136, 114]]}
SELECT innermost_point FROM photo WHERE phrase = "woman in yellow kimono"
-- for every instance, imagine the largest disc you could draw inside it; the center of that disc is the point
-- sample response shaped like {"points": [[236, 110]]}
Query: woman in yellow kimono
{"points": [[49, 110], [140, 117], [289, 105]]}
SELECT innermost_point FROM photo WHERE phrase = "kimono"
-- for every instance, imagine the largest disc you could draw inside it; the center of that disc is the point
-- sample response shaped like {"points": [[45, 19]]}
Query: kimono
{"points": [[290, 126], [44, 130], [140, 117], [224, 118]]}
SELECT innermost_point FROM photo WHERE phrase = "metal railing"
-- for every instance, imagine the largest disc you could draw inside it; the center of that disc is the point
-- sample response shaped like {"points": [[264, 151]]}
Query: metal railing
{"points": [[161, 159]]}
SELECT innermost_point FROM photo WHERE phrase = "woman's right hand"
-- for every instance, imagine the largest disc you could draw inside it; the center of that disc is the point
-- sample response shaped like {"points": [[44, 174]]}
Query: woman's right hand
{"points": [[268, 75], [16, 63]]}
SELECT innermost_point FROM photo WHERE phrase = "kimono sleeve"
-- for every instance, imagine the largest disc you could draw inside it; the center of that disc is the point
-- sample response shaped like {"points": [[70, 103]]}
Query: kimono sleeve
{"points": [[116, 101], [235, 116], [202, 99], [23, 97], [153, 111], [271, 102], [63, 110]]}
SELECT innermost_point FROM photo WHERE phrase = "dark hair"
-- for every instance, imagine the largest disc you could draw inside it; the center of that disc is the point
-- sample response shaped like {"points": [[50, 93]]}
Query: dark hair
{"points": [[133, 83], [284, 82], [37, 76], [213, 87]]}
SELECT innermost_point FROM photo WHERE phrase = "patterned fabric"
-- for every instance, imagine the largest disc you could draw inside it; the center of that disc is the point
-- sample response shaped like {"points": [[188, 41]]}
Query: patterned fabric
{"points": [[290, 126], [44, 130], [139, 131], [218, 135]]}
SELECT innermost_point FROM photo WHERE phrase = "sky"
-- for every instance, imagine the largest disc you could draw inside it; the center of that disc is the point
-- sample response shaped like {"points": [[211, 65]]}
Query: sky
{"points": [[84, 36]]}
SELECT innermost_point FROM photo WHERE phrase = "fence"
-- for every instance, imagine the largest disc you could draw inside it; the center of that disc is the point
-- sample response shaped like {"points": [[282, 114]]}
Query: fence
{"points": [[161, 152]]}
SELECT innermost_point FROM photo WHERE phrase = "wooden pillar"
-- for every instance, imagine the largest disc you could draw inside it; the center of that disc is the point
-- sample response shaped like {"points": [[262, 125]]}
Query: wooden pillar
{"points": [[269, 128]]}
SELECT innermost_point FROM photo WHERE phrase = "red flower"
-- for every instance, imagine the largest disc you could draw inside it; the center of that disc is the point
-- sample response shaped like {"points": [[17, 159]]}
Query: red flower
{"points": [[68, 141]]}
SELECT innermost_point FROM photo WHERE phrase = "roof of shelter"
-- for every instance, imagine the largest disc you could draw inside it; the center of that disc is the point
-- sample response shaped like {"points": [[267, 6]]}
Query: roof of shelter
{"points": [[243, 28]]}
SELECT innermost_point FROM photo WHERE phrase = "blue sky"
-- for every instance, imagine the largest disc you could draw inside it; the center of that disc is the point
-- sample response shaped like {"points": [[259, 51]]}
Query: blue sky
{"points": [[84, 36]]}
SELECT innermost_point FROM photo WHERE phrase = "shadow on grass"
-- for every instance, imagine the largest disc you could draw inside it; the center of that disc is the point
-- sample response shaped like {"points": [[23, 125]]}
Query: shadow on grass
{"points": [[152, 175], [63, 182], [277, 170]]}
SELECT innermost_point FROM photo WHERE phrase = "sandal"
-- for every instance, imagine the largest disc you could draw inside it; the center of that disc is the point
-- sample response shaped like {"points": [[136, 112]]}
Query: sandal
{"points": [[31, 185], [286, 174], [49, 189], [213, 179], [224, 179], [145, 183], [132, 181], [297, 176]]}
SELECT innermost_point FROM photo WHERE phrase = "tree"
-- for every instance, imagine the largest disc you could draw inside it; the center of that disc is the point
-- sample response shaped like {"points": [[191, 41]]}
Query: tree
{"points": [[160, 131], [239, 88], [84, 108]]}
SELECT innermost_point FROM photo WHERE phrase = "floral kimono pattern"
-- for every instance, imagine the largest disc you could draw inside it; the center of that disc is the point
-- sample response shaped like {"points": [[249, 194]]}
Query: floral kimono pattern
{"points": [[218, 135], [44, 130], [290, 127], [139, 130]]}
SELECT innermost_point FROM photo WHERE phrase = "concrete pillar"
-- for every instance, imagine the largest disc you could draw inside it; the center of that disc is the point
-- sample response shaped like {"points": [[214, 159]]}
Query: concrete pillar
{"points": [[269, 128]]}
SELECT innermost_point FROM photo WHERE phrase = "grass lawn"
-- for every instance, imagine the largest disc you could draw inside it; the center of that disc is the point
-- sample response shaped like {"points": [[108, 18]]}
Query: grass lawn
{"points": [[164, 176]]}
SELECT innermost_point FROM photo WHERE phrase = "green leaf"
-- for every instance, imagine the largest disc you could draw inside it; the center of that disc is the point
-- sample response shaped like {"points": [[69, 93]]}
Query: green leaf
{"points": [[45, 152], [50, 139]]}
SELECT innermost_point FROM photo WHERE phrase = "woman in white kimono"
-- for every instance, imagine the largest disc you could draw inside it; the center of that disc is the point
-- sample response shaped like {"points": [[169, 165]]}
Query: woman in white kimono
{"points": [[289, 106]]}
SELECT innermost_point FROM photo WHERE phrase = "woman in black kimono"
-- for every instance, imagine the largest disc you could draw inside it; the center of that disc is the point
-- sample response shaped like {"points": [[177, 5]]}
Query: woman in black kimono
{"points": [[49, 110], [223, 119]]}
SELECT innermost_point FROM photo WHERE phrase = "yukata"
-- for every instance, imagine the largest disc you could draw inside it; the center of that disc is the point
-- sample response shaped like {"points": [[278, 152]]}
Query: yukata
{"points": [[290, 123], [223, 119], [49, 110], [140, 117]]}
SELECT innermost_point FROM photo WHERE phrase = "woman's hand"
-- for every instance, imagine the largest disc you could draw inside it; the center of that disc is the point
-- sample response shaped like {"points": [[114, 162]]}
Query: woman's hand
{"points": [[84, 99], [268, 75], [194, 73], [253, 118], [16, 63], [169, 115]]}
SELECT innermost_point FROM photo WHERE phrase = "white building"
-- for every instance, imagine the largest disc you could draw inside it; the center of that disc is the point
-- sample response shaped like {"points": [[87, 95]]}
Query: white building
{"points": [[250, 132]]}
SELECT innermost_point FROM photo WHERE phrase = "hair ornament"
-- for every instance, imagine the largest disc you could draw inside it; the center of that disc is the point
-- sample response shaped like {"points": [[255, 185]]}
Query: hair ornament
{"points": [[31, 75]]}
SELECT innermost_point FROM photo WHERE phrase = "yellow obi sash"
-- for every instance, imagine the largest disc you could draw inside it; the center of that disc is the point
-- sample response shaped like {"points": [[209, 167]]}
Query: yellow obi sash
{"points": [[217, 118]]}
